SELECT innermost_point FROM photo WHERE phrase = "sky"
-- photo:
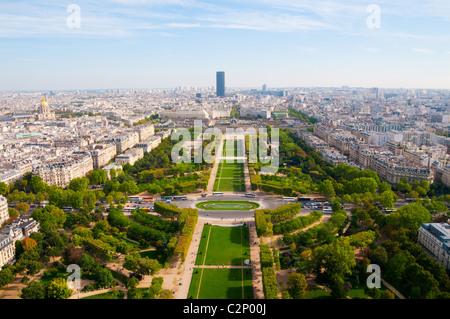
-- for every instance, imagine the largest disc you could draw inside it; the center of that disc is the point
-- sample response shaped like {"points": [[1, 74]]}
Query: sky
{"points": [[104, 44]]}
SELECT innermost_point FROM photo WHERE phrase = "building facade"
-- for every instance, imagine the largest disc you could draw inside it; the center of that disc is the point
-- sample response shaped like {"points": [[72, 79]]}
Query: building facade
{"points": [[7, 250], [4, 215], [435, 238], [220, 83]]}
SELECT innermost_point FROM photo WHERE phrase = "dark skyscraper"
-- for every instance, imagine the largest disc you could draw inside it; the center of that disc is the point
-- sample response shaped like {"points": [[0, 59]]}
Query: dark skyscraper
{"points": [[220, 83]]}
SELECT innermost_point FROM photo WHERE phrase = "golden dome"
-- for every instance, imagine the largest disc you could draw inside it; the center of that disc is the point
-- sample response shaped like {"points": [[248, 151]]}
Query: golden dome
{"points": [[44, 103]]}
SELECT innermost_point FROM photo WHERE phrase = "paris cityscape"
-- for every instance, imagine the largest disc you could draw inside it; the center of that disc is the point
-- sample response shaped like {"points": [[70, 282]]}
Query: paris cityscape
{"points": [[200, 178]]}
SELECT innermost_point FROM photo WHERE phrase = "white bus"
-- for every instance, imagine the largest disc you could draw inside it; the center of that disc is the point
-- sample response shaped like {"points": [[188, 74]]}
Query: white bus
{"points": [[180, 198], [250, 195], [327, 210], [288, 198], [217, 194], [134, 198]]}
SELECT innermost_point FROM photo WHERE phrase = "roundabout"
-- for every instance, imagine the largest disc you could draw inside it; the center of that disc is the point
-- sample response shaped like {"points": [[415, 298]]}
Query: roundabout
{"points": [[227, 205]]}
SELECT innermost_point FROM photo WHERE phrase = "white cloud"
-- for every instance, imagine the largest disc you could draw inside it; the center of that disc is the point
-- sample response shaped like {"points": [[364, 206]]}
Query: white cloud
{"points": [[422, 51], [370, 50]]}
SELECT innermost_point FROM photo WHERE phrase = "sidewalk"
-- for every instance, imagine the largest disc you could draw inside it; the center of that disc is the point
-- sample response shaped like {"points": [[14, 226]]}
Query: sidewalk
{"points": [[212, 176], [258, 292], [395, 291], [187, 268]]}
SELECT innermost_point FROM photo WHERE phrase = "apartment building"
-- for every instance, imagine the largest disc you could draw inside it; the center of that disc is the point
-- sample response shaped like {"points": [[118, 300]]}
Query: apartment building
{"points": [[392, 169], [102, 154], [184, 114], [7, 250], [126, 141], [446, 177], [20, 228], [145, 131], [62, 171], [4, 215], [333, 156], [9, 176], [435, 238], [130, 156]]}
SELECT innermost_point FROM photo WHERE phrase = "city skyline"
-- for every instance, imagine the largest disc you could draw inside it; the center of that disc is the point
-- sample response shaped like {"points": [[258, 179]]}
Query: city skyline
{"points": [[173, 43]]}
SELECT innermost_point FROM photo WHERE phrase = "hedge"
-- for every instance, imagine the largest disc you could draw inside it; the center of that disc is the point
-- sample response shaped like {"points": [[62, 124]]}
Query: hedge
{"points": [[266, 256], [297, 223], [285, 212], [154, 222], [268, 188], [260, 222], [265, 216], [270, 284], [167, 210], [185, 238]]}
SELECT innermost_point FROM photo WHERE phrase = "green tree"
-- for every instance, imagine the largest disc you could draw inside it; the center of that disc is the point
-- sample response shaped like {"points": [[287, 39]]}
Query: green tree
{"points": [[388, 295], [4, 188], [79, 184], [387, 199], [37, 185], [296, 285], [410, 216], [87, 262], [336, 259], [103, 276], [327, 189], [404, 186], [131, 283], [58, 289], [6, 276], [383, 187], [22, 207], [33, 290]]}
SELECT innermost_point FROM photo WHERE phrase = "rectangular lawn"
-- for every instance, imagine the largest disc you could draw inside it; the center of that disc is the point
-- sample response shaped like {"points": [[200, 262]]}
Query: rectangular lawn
{"points": [[221, 284], [226, 246]]}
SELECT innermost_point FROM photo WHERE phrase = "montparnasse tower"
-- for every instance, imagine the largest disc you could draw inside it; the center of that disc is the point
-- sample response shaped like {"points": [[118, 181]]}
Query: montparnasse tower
{"points": [[44, 112]]}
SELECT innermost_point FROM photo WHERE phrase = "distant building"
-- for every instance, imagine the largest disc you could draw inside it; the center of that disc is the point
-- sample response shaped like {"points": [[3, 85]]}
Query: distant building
{"points": [[184, 114], [61, 172], [111, 166], [446, 177], [44, 112], [20, 228], [4, 215], [130, 156], [220, 84], [435, 238], [102, 154], [145, 131], [7, 250]]}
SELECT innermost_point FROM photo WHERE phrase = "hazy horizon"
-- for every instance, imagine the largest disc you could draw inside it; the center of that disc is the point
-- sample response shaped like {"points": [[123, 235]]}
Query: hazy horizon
{"points": [[157, 44]]}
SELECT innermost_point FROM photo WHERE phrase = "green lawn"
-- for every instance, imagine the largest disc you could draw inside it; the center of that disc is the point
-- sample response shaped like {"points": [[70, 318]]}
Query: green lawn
{"points": [[107, 295], [236, 173], [153, 254], [230, 175], [227, 205], [226, 246], [317, 293], [49, 275], [221, 284], [229, 185]]}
